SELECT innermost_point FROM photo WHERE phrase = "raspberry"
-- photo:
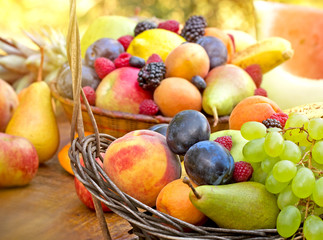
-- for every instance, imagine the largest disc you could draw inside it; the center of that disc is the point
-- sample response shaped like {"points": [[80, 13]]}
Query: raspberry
{"points": [[89, 94], [148, 107], [154, 58], [225, 141], [122, 60], [170, 25], [281, 117], [255, 73], [261, 92], [103, 66], [125, 41], [242, 171], [271, 123]]}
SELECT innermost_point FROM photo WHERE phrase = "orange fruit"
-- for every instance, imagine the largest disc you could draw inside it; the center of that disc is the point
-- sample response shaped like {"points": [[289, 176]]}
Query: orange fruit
{"points": [[63, 157]]}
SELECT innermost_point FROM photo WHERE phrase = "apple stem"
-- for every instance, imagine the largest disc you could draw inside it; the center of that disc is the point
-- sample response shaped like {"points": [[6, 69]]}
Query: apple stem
{"points": [[188, 182], [215, 115]]}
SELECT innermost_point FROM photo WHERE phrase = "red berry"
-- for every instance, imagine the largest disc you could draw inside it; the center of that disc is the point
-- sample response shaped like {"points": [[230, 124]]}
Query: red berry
{"points": [[170, 25], [242, 171], [261, 92], [255, 73], [122, 60], [148, 107], [281, 117], [125, 41], [89, 94], [103, 66], [154, 58], [225, 141]]}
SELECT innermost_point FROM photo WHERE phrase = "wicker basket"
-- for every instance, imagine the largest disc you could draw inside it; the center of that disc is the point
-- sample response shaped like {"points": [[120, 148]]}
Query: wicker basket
{"points": [[119, 123]]}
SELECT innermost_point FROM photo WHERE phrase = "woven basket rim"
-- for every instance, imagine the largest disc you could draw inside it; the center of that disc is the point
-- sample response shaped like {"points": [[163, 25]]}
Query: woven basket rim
{"points": [[124, 115]]}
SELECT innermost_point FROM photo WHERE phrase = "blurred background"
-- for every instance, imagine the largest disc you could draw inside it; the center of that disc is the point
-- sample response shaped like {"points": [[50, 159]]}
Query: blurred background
{"points": [[18, 15]]}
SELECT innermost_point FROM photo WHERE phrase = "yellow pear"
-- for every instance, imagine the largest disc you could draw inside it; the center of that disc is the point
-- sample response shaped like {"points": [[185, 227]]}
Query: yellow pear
{"points": [[35, 120]]}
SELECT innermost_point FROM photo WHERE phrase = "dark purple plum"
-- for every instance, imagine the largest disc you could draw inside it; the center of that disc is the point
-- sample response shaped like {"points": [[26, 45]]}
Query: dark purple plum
{"points": [[185, 129], [215, 49], [103, 47], [160, 128], [209, 163]]}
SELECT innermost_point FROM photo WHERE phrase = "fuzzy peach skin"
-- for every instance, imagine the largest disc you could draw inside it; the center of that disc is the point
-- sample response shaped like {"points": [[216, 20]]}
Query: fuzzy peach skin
{"points": [[120, 91], [141, 164], [18, 161], [254, 108]]}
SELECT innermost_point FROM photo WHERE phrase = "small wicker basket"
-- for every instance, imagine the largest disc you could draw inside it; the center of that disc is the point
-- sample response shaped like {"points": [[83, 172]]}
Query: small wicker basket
{"points": [[147, 222]]}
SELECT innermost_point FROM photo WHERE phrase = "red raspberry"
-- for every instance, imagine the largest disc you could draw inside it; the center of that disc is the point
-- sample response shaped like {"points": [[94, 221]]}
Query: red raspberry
{"points": [[154, 58], [170, 25], [148, 107], [103, 66], [89, 94], [233, 42], [242, 171], [125, 41], [281, 117], [122, 60], [261, 92], [255, 73], [225, 141]]}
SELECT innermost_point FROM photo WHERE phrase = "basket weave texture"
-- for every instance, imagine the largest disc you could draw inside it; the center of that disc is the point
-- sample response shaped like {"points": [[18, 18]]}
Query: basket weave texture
{"points": [[147, 222]]}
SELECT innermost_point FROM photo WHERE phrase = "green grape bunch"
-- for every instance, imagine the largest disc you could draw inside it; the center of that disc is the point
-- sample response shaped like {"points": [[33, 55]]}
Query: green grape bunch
{"points": [[289, 162]]}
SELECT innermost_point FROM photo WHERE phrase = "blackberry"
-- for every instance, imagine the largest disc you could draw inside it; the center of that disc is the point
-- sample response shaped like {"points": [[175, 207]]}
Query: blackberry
{"points": [[143, 26], [150, 76], [271, 123], [194, 28]]}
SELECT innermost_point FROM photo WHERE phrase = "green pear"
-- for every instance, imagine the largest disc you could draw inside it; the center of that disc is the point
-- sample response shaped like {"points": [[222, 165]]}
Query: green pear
{"points": [[237, 142], [243, 205], [226, 86], [35, 120]]}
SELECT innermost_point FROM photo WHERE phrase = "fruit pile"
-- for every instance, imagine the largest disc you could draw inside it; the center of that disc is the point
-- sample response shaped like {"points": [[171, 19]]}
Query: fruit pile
{"points": [[164, 67]]}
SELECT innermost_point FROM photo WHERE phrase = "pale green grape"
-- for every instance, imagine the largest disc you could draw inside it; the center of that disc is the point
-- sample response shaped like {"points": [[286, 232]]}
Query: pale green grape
{"points": [[291, 152], [313, 228], [259, 175], [253, 151], [317, 152], [295, 135], [318, 210], [274, 129], [274, 144], [286, 197], [253, 130], [273, 186], [303, 183], [318, 192], [284, 171], [268, 163], [288, 221], [315, 128]]}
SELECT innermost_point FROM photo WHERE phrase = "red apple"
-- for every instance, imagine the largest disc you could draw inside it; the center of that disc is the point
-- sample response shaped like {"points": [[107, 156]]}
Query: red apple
{"points": [[18, 161], [84, 195], [8, 103]]}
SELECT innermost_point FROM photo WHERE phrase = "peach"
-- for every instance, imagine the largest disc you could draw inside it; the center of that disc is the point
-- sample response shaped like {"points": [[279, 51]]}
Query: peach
{"points": [[141, 164], [174, 200], [8, 103], [186, 61], [120, 91], [174, 95], [254, 108]]}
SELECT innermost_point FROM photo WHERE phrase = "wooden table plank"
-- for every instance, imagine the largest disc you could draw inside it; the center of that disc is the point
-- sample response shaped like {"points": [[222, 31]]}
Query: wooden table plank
{"points": [[48, 208]]}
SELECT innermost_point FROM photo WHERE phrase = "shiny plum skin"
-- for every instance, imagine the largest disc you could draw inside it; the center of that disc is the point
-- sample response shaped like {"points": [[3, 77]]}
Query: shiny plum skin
{"points": [[160, 128], [185, 129], [209, 163], [215, 49]]}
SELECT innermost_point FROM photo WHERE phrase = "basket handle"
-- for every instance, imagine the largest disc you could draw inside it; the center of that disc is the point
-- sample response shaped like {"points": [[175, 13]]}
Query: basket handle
{"points": [[75, 62]]}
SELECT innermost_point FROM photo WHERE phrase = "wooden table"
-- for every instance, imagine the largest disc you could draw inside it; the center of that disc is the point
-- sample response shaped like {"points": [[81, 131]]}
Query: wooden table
{"points": [[49, 209]]}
